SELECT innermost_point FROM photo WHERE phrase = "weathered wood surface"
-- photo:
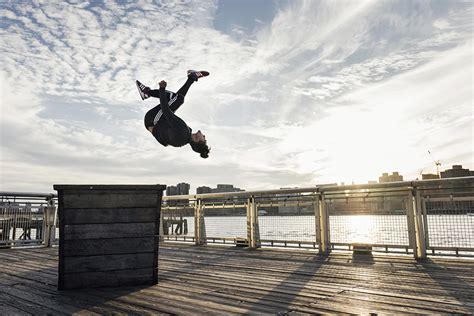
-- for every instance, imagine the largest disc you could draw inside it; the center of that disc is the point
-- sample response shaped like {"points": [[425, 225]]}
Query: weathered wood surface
{"points": [[109, 200], [84, 247], [101, 216], [108, 235], [232, 280], [115, 230]]}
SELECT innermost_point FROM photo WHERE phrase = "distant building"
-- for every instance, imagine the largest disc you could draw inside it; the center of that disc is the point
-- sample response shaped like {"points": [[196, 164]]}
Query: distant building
{"points": [[221, 188], [429, 176], [203, 190], [171, 190], [183, 188], [225, 188], [456, 172], [180, 189], [395, 176]]}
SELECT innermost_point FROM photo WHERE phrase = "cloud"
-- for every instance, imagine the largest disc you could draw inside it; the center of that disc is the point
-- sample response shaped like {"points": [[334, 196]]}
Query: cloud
{"points": [[326, 91]]}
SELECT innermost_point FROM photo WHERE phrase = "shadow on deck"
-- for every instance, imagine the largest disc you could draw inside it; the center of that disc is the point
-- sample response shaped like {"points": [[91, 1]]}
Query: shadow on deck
{"points": [[232, 280]]}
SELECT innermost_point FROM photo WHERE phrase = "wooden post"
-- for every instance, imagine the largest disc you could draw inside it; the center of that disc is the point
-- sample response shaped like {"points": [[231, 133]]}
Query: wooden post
{"points": [[411, 223], [161, 229], [249, 222], [200, 236], [425, 222], [419, 226], [324, 224], [254, 241], [317, 221], [50, 214], [109, 235]]}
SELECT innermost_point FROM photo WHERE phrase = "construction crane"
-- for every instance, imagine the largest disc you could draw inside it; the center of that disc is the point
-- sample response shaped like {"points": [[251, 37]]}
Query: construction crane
{"points": [[437, 163]]}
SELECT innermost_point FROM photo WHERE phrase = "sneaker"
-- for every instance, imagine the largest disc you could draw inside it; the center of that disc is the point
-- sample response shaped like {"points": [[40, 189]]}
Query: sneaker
{"points": [[197, 74], [142, 89]]}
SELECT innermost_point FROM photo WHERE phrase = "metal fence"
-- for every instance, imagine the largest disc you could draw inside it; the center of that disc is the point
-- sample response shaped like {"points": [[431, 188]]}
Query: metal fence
{"points": [[417, 217], [448, 216], [429, 217], [25, 219]]}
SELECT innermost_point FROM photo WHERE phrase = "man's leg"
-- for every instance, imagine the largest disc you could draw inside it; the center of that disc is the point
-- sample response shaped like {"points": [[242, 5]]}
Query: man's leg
{"points": [[175, 100]]}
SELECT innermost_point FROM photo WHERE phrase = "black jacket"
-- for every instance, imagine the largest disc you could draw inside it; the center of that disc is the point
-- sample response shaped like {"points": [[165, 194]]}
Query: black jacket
{"points": [[170, 129]]}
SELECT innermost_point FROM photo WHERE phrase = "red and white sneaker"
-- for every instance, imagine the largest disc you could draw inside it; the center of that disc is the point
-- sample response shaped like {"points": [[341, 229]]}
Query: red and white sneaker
{"points": [[142, 89], [197, 74]]}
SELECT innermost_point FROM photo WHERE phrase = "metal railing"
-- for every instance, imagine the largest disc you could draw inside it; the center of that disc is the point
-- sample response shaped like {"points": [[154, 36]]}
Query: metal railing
{"points": [[27, 219], [415, 217], [427, 217]]}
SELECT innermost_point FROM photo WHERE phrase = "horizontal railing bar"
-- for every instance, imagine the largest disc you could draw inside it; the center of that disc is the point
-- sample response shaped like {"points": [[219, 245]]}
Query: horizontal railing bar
{"points": [[467, 249], [288, 241], [27, 194], [370, 245], [449, 199]]}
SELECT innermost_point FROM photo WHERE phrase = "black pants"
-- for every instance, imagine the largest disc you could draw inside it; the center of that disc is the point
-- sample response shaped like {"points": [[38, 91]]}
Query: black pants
{"points": [[175, 100]]}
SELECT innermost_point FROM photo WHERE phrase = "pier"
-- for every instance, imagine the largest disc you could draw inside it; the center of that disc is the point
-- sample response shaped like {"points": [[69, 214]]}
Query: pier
{"points": [[398, 248], [233, 280]]}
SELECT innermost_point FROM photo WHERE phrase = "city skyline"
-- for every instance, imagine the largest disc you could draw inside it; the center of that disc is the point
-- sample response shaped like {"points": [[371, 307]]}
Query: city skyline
{"points": [[454, 171], [300, 92]]}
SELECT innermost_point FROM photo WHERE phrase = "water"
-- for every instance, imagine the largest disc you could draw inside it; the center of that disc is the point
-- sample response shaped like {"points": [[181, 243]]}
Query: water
{"points": [[443, 230]]}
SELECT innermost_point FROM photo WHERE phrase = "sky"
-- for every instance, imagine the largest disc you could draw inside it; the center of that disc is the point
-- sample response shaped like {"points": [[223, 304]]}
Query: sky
{"points": [[300, 92]]}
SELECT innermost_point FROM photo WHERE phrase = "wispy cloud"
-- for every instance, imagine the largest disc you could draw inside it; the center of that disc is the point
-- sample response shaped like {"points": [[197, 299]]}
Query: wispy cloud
{"points": [[323, 91]]}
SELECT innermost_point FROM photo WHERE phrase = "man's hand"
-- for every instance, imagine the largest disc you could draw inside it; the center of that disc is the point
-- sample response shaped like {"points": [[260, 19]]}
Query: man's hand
{"points": [[162, 84]]}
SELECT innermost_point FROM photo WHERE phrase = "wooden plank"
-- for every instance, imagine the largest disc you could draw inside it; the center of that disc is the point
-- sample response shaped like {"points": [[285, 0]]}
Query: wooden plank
{"points": [[109, 262], [26, 305], [40, 300], [119, 230], [109, 215], [163, 300], [229, 280], [189, 298], [83, 300], [89, 247], [106, 278], [9, 306], [320, 279], [109, 200]]}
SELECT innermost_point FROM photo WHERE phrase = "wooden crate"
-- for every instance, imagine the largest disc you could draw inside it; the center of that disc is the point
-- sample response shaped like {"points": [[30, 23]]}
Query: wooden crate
{"points": [[108, 235]]}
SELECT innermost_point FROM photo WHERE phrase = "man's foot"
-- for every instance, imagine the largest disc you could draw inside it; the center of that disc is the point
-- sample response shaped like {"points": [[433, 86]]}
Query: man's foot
{"points": [[142, 89], [195, 75]]}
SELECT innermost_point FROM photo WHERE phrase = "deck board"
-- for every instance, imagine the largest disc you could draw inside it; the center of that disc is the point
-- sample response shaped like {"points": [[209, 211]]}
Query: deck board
{"points": [[232, 280]]}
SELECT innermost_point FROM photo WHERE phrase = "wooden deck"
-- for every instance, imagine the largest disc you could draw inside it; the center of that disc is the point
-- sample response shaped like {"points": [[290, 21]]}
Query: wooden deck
{"points": [[231, 280]]}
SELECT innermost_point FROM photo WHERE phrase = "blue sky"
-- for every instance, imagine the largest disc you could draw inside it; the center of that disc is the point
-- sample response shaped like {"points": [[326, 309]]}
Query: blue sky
{"points": [[300, 92]]}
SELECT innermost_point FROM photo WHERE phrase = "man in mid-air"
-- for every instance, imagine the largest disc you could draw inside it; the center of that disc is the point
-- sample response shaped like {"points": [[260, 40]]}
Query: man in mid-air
{"points": [[167, 127]]}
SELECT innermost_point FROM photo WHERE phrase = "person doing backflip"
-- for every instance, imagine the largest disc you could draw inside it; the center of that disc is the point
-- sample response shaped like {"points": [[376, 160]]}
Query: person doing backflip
{"points": [[165, 126]]}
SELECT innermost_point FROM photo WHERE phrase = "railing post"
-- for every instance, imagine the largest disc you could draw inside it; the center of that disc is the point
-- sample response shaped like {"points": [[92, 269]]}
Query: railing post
{"points": [[252, 224], [415, 224], [317, 221], [199, 224], [162, 223], [324, 224], [411, 223], [50, 214], [419, 227], [424, 212]]}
